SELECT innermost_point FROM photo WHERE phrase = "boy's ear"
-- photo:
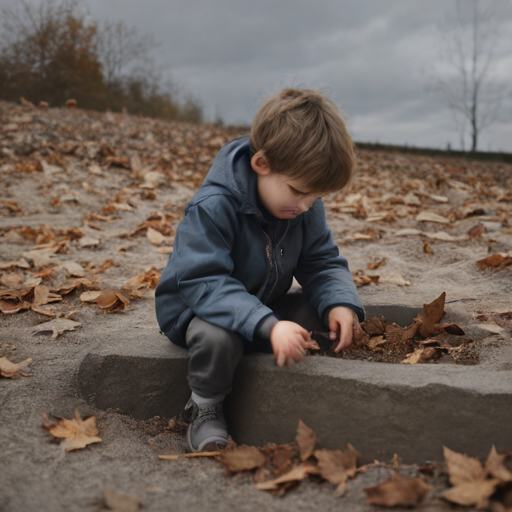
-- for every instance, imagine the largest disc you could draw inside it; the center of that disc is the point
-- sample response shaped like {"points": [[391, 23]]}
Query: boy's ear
{"points": [[259, 163]]}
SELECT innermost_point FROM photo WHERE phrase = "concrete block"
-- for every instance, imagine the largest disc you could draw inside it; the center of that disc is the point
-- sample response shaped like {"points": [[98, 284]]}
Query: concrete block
{"points": [[381, 409]]}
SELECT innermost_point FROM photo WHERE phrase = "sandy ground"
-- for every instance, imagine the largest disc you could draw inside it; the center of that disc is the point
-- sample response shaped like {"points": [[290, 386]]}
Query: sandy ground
{"points": [[105, 175]]}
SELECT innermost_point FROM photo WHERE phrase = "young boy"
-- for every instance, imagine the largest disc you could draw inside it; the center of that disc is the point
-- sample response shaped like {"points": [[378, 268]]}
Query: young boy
{"points": [[255, 223]]}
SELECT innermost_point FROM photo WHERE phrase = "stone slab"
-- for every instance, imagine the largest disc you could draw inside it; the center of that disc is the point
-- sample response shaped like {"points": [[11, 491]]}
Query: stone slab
{"points": [[381, 409]]}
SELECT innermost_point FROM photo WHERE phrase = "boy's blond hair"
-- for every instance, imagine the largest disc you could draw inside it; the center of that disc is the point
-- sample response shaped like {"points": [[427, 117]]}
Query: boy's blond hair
{"points": [[303, 136]]}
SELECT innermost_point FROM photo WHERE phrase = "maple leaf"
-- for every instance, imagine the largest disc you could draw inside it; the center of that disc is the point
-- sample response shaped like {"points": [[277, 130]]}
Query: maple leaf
{"points": [[495, 466], [77, 433], [242, 458], [337, 466], [397, 491], [468, 477], [306, 439], [12, 370], [57, 326]]}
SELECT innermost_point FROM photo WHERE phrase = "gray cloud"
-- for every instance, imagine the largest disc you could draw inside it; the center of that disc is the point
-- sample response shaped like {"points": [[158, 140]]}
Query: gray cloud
{"points": [[373, 58]]}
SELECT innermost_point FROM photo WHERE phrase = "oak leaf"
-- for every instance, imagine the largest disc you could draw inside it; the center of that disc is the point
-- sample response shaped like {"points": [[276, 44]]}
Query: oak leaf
{"points": [[495, 466], [77, 433]]}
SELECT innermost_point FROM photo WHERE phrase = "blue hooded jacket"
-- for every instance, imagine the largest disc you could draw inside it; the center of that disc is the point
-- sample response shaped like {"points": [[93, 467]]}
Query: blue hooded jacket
{"points": [[231, 257]]}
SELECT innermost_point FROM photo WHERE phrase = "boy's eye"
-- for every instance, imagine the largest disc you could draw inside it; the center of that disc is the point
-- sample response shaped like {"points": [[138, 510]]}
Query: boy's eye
{"points": [[297, 192]]}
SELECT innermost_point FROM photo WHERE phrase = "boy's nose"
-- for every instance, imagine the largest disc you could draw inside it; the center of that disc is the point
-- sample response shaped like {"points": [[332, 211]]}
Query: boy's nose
{"points": [[304, 205]]}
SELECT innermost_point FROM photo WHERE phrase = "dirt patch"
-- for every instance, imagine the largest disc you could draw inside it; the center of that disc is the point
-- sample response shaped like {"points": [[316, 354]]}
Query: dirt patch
{"points": [[87, 188]]}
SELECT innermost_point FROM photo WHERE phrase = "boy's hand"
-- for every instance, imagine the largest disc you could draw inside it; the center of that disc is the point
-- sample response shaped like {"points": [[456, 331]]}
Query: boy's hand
{"points": [[290, 342], [343, 325]]}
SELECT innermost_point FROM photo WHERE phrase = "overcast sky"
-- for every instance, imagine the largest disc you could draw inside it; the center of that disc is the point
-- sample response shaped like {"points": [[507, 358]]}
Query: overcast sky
{"points": [[373, 57]]}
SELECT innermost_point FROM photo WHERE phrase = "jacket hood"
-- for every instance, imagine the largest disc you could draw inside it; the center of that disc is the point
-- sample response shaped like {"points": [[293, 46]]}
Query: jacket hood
{"points": [[231, 174]]}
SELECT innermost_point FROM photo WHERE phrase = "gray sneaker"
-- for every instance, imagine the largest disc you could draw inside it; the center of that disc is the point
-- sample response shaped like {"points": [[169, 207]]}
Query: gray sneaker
{"points": [[207, 430]]}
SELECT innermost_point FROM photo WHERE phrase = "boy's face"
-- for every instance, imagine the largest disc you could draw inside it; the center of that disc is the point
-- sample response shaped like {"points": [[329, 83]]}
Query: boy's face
{"points": [[282, 196]]}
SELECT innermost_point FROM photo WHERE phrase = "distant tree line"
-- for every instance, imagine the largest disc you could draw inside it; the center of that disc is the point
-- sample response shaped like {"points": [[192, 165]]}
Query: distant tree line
{"points": [[55, 51]]}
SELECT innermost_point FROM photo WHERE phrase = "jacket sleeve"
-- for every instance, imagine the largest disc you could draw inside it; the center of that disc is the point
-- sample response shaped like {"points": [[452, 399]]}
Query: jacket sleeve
{"points": [[321, 271], [202, 266]]}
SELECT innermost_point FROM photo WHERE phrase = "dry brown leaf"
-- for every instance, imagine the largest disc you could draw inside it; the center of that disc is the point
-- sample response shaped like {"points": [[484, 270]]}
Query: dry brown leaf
{"points": [[112, 300], [46, 310], [361, 279], [432, 314], [461, 468], [336, 466], [74, 269], [148, 279], [12, 370], [476, 492], [296, 474], [99, 269], [242, 458], [495, 466], [90, 296], [499, 260], [306, 439], [477, 230], [165, 250], [426, 248], [374, 326], [21, 263], [42, 295], [376, 341], [394, 278], [10, 309], [374, 265], [77, 433], [12, 280], [57, 326], [119, 501], [89, 241], [83, 283], [420, 355], [397, 491], [428, 216], [155, 237]]}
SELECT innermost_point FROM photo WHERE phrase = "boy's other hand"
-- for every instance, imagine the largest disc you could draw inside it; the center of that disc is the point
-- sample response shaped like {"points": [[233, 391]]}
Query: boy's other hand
{"points": [[343, 325], [290, 342]]}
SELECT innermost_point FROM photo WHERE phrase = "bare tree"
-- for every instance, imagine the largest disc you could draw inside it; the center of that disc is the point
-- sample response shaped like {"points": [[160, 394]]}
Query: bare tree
{"points": [[121, 48], [465, 77]]}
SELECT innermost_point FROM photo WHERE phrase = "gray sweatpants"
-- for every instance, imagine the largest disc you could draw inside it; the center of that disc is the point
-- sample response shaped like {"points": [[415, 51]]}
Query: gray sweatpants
{"points": [[215, 352]]}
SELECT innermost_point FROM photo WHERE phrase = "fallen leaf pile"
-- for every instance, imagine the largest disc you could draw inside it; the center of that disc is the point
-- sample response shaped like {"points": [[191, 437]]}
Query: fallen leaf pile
{"points": [[90, 201], [425, 340], [474, 483]]}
